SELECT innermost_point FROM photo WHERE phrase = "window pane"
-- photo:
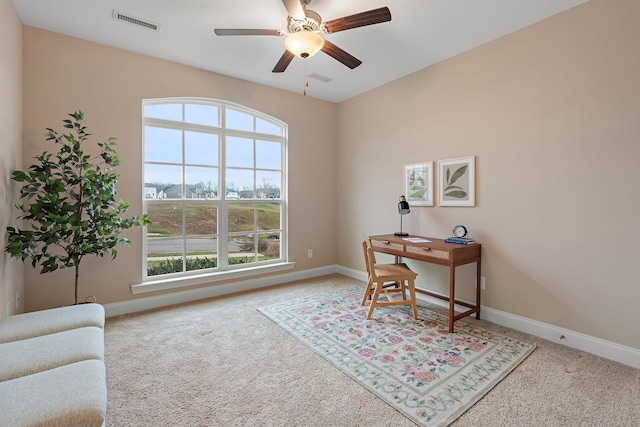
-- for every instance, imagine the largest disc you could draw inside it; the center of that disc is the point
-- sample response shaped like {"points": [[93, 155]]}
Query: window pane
{"points": [[239, 152], [246, 194], [242, 249], [264, 126], [269, 216], [164, 239], [165, 265], [201, 220], [201, 239], [241, 217], [201, 148], [162, 145], [268, 184], [162, 247], [201, 183], [201, 114], [163, 181], [166, 221], [238, 120], [268, 246], [268, 155], [238, 180], [164, 111], [197, 259]]}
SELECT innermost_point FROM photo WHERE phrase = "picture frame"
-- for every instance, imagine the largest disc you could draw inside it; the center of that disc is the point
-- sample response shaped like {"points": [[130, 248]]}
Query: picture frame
{"points": [[457, 182], [418, 183]]}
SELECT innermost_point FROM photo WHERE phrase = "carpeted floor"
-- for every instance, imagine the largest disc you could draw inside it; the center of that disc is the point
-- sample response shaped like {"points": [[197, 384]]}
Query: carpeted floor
{"points": [[220, 362]]}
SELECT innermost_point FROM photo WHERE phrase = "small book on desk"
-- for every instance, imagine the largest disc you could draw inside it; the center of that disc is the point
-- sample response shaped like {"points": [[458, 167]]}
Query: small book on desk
{"points": [[459, 240], [416, 239]]}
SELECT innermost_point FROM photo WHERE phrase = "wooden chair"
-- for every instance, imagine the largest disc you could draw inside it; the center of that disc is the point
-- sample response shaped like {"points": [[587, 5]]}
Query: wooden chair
{"points": [[381, 274], [370, 288]]}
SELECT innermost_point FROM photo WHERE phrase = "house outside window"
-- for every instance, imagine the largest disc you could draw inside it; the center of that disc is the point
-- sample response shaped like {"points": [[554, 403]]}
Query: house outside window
{"points": [[214, 179]]}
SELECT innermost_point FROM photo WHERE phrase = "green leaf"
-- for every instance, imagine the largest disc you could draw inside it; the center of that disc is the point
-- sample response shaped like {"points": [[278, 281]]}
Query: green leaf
{"points": [[20, 176], [456, 194], [457, 174]]}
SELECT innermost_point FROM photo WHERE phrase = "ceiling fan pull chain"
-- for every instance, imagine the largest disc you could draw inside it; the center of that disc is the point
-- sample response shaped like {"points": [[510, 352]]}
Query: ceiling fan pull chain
{"points": [[306, 76]]}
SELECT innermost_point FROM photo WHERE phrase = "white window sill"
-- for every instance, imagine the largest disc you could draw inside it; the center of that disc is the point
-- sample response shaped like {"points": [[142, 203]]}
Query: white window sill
{"points": [[180, 282]]}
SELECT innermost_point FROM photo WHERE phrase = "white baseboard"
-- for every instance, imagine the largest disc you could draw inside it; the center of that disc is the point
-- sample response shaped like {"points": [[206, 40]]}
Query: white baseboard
{"points": [[147, 303], [609, 350]]}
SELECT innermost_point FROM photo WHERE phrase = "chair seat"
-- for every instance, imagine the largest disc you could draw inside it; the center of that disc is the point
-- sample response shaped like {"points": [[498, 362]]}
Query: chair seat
{"points": [[387, 272]]}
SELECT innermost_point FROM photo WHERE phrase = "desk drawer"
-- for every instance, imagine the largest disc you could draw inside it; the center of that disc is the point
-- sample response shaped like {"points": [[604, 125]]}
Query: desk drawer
{"points": [[387, 245], [427, 252]]}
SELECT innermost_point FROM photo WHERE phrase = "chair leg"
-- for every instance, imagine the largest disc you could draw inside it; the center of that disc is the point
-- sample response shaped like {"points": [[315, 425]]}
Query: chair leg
{"points": [[367, 292], [374, 299], [412, 293], [404, 290]]}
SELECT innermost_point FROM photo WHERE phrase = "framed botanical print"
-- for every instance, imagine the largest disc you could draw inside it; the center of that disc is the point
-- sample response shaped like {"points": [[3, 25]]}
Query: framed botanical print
{"points": [[418, 184], [457, 182]]}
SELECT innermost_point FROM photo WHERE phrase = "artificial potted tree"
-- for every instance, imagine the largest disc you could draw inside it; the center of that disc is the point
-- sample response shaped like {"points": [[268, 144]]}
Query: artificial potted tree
{"points": [[68, 203]]}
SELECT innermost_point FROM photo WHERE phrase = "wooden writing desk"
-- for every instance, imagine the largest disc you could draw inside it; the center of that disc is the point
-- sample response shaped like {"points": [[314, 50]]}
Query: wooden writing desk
{"points": [[437, 251]]}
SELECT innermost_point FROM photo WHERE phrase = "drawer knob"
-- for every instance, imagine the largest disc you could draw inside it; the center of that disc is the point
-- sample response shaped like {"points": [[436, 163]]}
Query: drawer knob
{"points": [[426, 249], [386, 242]]}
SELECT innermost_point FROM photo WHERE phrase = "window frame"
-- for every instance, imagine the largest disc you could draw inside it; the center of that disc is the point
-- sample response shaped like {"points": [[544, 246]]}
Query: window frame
{"points": [[223, 270]]}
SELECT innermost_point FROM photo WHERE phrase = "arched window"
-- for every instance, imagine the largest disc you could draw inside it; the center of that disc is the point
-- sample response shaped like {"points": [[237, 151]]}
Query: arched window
{"points": [[214, 187]]}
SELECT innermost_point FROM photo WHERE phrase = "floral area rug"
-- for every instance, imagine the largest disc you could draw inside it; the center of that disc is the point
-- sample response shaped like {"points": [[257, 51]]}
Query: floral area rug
{"points": [[416, 366]]}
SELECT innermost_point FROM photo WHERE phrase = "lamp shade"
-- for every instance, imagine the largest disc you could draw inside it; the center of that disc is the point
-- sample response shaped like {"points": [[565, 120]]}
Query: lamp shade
{"points": [[304, 44], [403, 206], [403, 209]]}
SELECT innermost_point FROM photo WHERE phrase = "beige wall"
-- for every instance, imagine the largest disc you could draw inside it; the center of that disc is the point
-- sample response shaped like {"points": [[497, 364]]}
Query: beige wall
{"points": [[10, 148], [63, 74], [552, 114]]}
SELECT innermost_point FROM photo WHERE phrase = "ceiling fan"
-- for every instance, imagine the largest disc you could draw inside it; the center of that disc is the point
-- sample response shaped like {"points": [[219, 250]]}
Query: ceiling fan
{"points": [[303, 33]]}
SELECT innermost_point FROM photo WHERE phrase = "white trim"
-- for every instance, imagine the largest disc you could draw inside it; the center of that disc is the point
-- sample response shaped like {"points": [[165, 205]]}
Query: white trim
{"points": [[609, 350], [141, 304], [199, 279]]}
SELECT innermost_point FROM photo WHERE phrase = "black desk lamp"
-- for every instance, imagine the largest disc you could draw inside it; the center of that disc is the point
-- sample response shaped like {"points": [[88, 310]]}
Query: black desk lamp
{"points": [[403, 209]]}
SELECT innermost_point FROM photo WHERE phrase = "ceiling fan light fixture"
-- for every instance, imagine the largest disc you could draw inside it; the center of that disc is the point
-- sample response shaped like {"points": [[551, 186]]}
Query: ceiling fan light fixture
{"points": [[304, 44]]}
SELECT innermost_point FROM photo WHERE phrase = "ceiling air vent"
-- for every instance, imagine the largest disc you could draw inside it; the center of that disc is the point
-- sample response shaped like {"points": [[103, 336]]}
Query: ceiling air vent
{"points": [[119, 16], [319, 77]]}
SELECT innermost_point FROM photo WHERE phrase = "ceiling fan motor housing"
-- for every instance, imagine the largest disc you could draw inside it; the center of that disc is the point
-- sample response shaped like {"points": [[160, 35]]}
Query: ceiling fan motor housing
{"points": [[311, 22]]}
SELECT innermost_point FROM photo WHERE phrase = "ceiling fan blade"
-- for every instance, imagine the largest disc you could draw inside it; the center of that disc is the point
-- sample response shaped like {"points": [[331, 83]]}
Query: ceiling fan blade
{"points": [[294, 9], [283, 62], [245, 32], [371, 17], [340, 55]]}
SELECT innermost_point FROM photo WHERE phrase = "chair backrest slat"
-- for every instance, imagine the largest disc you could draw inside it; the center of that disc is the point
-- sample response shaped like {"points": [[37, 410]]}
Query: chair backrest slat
{"points": [[365, 247], [371, 263]]}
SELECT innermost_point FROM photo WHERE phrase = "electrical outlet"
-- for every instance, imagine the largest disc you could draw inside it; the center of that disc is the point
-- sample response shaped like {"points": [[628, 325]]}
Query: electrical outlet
{"points": [[309, 253], [483, 282], [7, 310]]}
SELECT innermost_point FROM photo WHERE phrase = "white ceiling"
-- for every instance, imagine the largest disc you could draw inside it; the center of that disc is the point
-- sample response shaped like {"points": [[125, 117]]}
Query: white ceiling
{"points": [[421, 33]]}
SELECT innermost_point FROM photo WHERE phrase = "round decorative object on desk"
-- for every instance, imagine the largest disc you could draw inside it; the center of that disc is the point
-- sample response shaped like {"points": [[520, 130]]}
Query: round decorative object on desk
{"points": [[460, 231]]}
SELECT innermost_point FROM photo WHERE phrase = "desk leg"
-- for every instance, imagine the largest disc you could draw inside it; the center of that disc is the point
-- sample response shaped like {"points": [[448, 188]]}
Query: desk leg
{"points": [[478, 290], [452, 296]]}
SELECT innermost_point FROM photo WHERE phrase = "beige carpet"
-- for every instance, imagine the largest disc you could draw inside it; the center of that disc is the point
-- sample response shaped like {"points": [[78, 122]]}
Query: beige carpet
{"points": [[220, 362]]}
